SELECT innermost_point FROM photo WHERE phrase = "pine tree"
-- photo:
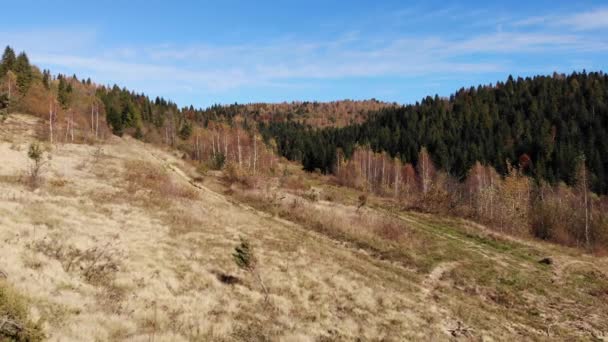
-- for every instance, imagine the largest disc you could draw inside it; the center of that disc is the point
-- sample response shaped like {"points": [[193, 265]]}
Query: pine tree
{"points": [[46, 79], [8, 60], [64, 90], [23, 70]]}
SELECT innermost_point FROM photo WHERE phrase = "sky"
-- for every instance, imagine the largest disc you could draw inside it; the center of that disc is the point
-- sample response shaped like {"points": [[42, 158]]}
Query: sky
{"points": [[204, 52]]}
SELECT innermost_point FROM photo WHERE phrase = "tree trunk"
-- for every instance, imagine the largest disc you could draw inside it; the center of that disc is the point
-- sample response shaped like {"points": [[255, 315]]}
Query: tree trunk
{"points": [[255, 153], [72, 127], [586, 206], [96, 121], [262, 284], [226, 146], [92, 119], [8, 107], [238, 142], [213, 144], [51, 122]]}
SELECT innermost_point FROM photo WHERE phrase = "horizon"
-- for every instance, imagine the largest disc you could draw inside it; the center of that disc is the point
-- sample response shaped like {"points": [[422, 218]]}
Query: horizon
{"points": [[192, 54]]}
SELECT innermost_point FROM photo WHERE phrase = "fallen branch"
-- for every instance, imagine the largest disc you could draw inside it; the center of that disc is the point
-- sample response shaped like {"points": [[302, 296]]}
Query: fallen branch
{"points": [[460, 330]]}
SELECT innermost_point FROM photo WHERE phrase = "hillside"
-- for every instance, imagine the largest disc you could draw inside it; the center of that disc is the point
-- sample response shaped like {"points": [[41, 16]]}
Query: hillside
{"points": [[429, 221], [551, 122], [315, 114], [124, 241]]}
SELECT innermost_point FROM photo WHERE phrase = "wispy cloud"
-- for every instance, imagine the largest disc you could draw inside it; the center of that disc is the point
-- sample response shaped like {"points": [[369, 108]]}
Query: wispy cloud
{"points": [[581, 21], [289, 61], [597, 19], [50, 39], [215, 68]]}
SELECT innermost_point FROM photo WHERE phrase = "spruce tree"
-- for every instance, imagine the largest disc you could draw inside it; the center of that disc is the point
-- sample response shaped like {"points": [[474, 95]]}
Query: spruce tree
{"points": [[23, 70], [8, 60]]}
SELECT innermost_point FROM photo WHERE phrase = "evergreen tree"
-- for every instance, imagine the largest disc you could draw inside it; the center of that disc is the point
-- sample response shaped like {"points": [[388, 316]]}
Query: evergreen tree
{"points": [[23, 70], [8, 60], [64, 90], [46, 78], [547, 119]]}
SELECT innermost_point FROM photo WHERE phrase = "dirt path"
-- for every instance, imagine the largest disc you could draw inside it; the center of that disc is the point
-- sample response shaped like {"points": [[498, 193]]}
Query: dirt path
{"points": [[434, 277]]}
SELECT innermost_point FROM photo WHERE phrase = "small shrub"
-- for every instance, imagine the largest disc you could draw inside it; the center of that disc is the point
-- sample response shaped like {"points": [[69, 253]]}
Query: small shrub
{"points": [[36, 155], [234, 174], [390, 230], [202, 169], [217, 161], [362, 201], [15, 324], [245, 259], [97, 265], [312, 195]]}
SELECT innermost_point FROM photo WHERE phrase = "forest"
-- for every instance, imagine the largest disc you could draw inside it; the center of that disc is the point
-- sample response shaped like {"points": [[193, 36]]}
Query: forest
{"points": [[544, 125], [523, 156]]}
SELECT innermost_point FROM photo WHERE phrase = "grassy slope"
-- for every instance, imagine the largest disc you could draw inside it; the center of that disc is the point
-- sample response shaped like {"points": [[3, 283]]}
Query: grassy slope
{"points": [[166, 246]]}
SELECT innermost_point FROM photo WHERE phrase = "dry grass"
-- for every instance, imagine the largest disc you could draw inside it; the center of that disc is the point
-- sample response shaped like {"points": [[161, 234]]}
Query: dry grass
{"points": [[382, 236], [137, 253], [15, 321], [97, 264], [142, 175]]}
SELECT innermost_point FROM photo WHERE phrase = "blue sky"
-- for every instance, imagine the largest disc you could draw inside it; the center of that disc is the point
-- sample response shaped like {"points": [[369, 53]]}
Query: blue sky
{"points": [[200, 53]]}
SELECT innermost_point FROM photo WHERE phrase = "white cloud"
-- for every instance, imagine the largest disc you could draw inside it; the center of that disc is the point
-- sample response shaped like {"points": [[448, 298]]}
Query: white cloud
{"points": [[596, 19], [218, 68], [288, 61], [581, 21]]}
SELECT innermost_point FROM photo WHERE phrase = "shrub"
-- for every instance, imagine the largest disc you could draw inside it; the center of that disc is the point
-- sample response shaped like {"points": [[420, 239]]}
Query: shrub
{"points": [[245, 259], [390, 230], [217, 161], [36, 155], [15, 324], [234, 174]]}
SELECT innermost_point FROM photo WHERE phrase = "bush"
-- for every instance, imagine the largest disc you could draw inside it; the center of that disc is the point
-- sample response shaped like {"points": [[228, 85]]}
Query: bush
{"points": [[234, 174], [36, 155], [217, 161], [15, 324], [245, 259]]}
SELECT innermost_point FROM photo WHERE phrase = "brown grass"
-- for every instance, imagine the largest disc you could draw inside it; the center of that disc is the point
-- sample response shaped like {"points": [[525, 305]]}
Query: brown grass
{"points": [[142, 175], [97, 265], [383, 237]]}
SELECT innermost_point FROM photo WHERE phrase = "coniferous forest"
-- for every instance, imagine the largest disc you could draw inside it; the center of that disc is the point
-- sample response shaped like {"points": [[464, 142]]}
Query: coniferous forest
{"points": [[544, 125]]}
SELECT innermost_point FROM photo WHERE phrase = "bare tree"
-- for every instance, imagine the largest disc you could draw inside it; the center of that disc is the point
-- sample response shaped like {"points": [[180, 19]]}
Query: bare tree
{"points": [[583, 187], [238, 142], [52, 118], [10, 79], [255, 152], [425, 169]]}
